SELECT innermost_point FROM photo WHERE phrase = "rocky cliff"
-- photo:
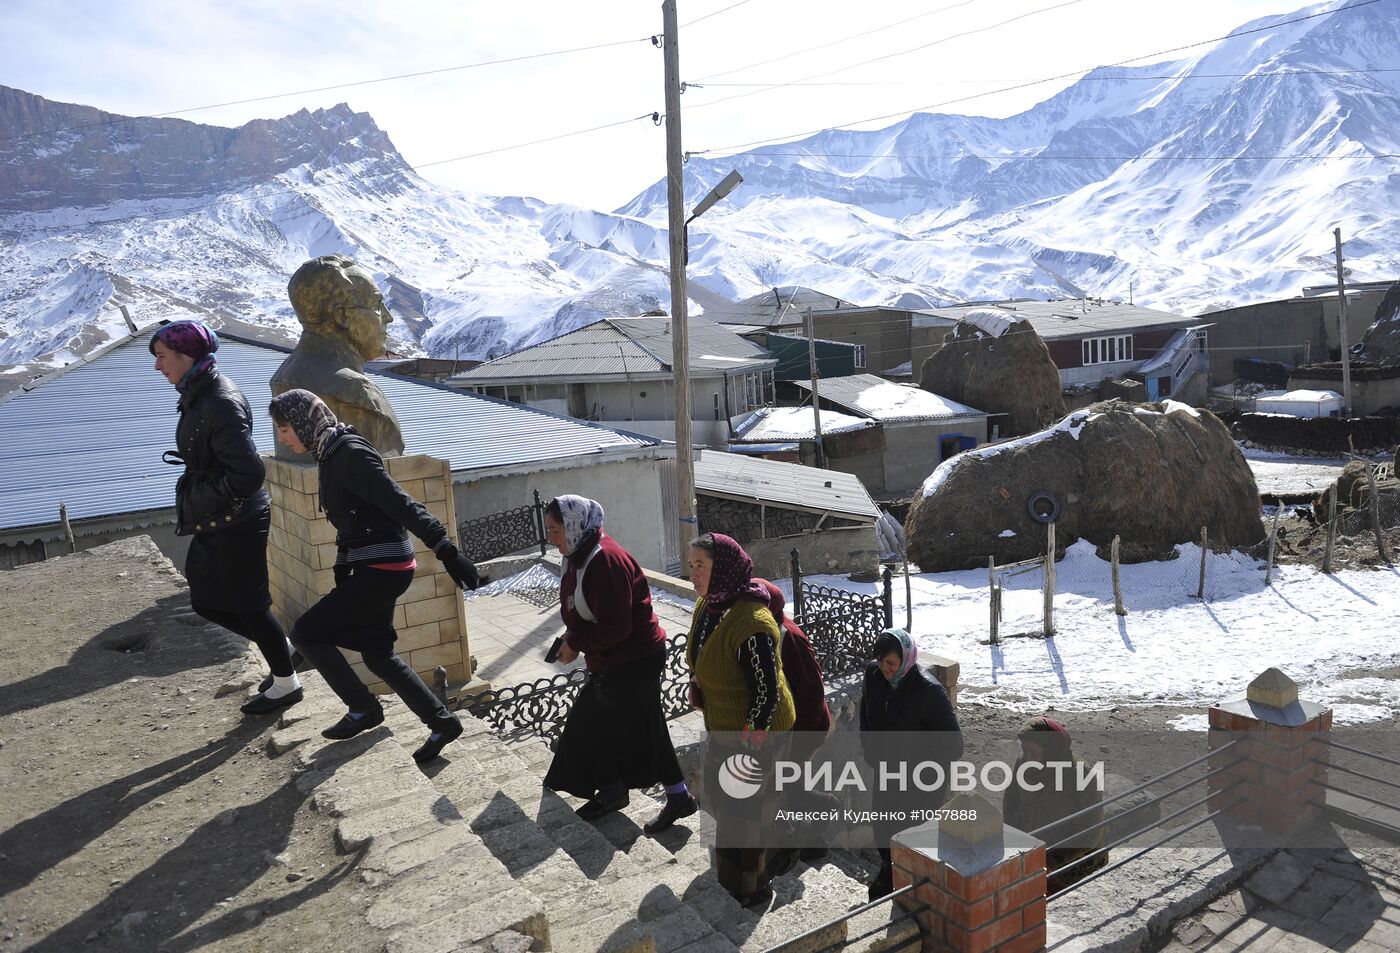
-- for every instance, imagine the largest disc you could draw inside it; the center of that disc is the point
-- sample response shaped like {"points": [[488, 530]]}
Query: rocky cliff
{"points": [[59, 154]]}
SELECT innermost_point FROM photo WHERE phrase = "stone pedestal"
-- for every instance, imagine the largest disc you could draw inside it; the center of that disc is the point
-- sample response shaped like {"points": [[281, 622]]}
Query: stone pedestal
{"points": [[946, 671], [983, 882], [1275, 773], [430, 617]]}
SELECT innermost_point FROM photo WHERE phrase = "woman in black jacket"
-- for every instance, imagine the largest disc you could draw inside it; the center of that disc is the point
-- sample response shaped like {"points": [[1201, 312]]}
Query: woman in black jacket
{"points": [[374, 565], [899, 696], [221, 503]]}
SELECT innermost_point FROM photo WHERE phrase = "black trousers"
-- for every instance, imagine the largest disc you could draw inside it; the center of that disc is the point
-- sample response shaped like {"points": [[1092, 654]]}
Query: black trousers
{"points": [[262, 629], [358, 614]]}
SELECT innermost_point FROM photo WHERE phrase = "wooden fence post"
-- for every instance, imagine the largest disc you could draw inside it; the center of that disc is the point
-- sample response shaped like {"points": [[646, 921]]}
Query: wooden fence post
{"points": [[67, 527], [908, 598], [1273, 546], [1205, 548], [1117, 584], [1048, 627], [992, 594], [1331, 528], [1376, 514]]}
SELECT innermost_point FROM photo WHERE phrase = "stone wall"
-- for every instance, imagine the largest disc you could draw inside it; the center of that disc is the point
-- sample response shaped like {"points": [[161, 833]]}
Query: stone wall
{"points": [[430, 617], [748, 521], [848, 549]]}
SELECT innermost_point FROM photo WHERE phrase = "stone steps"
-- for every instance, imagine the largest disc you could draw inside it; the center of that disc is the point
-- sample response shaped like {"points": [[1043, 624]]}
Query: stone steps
{"points": [[805, 897], [437, 887]]}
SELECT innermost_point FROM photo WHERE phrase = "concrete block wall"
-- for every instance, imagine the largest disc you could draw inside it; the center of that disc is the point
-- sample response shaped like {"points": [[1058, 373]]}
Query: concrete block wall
{"points": [[430, 617]]}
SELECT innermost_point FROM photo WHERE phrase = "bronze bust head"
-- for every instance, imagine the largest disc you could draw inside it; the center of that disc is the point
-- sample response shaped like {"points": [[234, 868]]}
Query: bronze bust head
{"points": [[344, 324]]}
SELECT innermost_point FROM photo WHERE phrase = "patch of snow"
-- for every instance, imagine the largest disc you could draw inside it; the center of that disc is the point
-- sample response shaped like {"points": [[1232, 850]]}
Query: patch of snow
{"points": [[1177, 407], [989, 320], [1073, 424], [1006, 534]]}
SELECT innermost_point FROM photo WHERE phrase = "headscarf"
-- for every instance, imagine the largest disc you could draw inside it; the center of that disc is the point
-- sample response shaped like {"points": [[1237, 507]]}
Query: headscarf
{"points": [[897, 640], [193, 339], [582, 518], [731, 578], [311, 420], [1052, 735]]}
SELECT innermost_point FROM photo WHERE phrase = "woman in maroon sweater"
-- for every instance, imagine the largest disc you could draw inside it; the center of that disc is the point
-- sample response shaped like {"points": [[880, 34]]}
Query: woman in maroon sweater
{"points": [[615, 737]]}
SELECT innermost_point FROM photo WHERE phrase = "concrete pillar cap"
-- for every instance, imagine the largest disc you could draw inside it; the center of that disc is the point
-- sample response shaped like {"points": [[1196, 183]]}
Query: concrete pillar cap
{"points": [[971, 818], [1273, 688]]}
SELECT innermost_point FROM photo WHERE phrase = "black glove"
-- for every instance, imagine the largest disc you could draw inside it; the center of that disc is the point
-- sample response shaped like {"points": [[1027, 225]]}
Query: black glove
{"points": [[341, 571], [459, 567]]}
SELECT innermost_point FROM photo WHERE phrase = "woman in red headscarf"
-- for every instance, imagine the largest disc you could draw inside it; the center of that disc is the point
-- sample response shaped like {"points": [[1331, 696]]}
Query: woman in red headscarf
{"points": [[221, 504], [735, 657]]}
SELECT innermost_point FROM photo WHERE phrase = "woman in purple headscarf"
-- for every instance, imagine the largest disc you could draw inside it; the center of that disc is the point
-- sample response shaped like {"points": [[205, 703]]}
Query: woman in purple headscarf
{"points": [[221, 504], [735, 659]]}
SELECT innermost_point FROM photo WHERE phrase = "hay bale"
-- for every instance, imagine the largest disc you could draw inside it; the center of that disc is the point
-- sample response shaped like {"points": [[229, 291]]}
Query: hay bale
{"points": [[1125, 389], [1153, 474], [987, 348], [1381, 342], [1350, 486]]}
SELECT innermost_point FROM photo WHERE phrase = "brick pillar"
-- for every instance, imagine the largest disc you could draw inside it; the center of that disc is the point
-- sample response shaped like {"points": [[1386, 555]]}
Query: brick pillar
{"points": [[984, 881], [430, 617], [1284, 757]]}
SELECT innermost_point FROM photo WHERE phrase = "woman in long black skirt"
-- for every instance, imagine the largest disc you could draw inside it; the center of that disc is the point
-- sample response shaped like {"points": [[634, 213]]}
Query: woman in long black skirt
{"points": [[220, 502], [615, 737], [374, 566]]}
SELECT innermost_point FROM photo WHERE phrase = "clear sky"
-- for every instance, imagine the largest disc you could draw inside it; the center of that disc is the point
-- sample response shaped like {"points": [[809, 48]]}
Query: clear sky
{"points": [[141, 57]]}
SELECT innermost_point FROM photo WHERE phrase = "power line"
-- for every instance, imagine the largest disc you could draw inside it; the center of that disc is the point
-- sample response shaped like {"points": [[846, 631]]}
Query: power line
{"points": [[1049, 79], [715, 14], [836, 42], [1084, 79], [886, 56], [1085, 158], [117, 120]]}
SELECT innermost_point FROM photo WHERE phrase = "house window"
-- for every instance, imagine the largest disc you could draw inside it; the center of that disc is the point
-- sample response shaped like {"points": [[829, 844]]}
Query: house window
{"points": [[716, 406], [750, 391], [860, 354], [1108, 350]]}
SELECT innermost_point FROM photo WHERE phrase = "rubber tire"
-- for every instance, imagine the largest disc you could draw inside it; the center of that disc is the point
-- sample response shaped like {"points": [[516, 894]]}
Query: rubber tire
{"points": [[1032, 507]]}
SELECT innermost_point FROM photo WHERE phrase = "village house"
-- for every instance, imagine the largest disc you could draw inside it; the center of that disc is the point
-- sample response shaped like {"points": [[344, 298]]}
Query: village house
{"points": [[921, 429], [619, 371]]}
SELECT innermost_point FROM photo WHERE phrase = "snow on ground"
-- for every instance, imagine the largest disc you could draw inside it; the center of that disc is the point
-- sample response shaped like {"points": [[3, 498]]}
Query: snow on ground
{"points": [[1171, 649]]}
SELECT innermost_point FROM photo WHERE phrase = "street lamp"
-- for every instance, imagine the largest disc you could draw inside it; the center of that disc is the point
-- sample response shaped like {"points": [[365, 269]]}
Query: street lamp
{"points": [[680, 358]]}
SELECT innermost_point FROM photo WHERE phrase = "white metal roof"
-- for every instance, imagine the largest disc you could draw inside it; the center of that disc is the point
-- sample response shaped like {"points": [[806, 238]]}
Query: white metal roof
{"points": [[782, 424], [1075, 317], [622, 347], [868, 395], [92, 435], [791, 485]]}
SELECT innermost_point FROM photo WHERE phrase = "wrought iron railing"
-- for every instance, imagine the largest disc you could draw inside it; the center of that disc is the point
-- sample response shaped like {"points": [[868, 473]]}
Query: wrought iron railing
{"points": [[842, 625], [501, 534]]}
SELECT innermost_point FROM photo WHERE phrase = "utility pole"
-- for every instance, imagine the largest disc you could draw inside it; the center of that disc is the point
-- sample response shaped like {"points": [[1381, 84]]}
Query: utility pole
{"points": [[680, 332], [1342, 329], [816, 393]]}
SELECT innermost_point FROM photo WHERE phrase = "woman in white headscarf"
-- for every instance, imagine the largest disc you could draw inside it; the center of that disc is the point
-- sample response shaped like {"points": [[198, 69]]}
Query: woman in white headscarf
{"points": [[615, 738]]}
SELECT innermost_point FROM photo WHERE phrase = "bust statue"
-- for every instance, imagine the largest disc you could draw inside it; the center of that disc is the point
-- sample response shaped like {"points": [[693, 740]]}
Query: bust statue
{"points": [[343, 321]]}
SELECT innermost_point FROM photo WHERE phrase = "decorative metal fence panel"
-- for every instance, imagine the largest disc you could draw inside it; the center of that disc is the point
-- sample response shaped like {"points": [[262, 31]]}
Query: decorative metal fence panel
{"points": [[842, 627], [501, 534], [841, 624]]}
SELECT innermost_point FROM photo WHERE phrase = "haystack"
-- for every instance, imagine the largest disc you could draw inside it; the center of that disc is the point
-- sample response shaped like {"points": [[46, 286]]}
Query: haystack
{"points": [[1153, 474], [997, 363], [1381, 342]]}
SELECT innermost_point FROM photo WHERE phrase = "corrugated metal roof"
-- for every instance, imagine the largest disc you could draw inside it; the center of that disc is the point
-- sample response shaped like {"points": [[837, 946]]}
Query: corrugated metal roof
{"points": [[788, 484], [867, 395], [92, 435], [1076, 317], [776, 307], [781, 424], [622, 346]]}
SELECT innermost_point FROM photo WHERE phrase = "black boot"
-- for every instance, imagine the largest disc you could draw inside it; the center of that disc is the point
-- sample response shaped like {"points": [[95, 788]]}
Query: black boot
{"points": [[352, 723], [441, 737]]}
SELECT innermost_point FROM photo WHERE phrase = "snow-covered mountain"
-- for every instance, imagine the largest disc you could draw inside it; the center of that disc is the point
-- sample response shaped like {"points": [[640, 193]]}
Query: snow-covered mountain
{"points": [[1206, 181]]}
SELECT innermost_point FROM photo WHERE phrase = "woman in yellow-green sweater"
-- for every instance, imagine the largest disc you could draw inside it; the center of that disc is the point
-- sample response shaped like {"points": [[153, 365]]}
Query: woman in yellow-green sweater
{"points": [[735, 657]]}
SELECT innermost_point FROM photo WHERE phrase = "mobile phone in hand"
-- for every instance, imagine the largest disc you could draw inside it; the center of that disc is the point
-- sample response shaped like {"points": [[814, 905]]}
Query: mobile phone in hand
{"points": [[552, 655]]}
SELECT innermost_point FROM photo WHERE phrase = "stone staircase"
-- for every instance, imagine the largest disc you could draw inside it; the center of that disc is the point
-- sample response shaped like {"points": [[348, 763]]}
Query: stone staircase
{"points": [[472, 853]]}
